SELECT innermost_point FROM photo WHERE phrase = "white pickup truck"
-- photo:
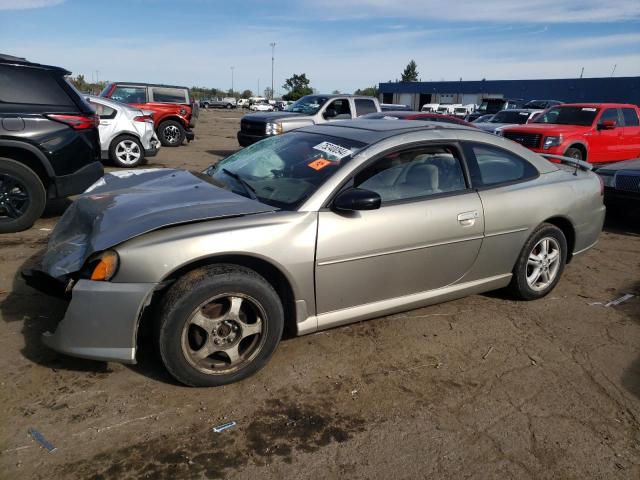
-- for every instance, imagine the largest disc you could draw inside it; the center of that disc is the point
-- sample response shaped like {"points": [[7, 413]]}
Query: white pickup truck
{"points": [[309, 110]]}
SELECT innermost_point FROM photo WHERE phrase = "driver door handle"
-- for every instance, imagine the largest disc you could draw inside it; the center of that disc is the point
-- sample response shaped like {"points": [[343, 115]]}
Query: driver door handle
{"points": [[467, 219]]}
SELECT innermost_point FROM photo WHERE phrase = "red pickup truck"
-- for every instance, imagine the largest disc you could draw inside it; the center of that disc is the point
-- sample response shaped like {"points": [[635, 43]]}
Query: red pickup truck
{"points": [[174, 112], [595, 132]]}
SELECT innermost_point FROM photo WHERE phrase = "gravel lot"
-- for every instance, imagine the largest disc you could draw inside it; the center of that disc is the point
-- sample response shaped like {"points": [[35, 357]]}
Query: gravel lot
{"points": [[482, 387]]}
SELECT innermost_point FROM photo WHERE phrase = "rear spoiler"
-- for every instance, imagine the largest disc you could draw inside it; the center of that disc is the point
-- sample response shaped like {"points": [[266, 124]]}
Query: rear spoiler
{"points": [[569, 161]]}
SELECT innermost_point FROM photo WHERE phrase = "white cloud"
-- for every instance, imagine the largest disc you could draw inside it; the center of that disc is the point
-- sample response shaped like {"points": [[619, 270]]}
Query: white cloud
{"points": [[496, 11], [28, 4]]}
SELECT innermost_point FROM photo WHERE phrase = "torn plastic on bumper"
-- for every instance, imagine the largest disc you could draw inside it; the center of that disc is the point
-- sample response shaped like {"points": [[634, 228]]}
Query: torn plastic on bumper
{"points": [[101, 321]]}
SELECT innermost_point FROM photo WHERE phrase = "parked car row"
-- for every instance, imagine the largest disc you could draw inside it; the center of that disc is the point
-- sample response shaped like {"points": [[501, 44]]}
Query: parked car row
{"points": [[226, 102]]}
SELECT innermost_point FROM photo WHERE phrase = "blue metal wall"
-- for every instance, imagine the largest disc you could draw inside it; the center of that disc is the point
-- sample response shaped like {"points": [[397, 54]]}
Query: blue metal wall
{"points": [[613, 89]]}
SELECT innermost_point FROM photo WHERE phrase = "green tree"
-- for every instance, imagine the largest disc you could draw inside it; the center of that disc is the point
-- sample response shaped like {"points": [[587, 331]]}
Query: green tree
{"points": [[297, 86], [247, 94], [336, 92], [368, 92], [410, 73]]}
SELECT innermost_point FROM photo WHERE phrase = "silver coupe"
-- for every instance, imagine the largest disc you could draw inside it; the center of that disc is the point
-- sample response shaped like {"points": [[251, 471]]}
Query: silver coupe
{"points": [[312, 229]]}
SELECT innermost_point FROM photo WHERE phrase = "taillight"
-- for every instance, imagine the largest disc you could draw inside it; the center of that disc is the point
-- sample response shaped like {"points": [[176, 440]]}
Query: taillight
{"points": [[143, 118], [77, 122]]}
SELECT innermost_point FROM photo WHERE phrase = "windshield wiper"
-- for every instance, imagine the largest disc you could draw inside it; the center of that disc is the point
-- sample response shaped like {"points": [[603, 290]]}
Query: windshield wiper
{"points": [[247, 187]]}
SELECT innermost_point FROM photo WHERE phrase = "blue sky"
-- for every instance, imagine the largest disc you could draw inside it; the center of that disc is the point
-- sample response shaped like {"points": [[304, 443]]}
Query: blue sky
{"points": [[339, 44]]}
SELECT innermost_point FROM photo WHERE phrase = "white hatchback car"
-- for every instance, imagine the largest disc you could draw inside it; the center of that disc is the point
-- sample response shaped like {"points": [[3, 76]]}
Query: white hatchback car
{"points": [[127, 136]]}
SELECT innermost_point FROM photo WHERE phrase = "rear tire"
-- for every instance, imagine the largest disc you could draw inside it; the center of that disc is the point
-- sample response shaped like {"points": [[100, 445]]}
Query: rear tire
{"points": [[574, 153], [540, 264], [203, 340], [171, 133], [22, 196], [126, 152]]}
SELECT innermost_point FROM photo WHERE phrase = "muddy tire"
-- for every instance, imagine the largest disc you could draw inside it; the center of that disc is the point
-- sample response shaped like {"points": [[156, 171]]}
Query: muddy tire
{"points": [[540, 264], [171, 133], [218, 324], [22, 196]]}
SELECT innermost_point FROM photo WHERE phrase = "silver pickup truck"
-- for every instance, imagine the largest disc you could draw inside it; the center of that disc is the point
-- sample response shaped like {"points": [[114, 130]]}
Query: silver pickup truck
{"points": [[309, 110]]}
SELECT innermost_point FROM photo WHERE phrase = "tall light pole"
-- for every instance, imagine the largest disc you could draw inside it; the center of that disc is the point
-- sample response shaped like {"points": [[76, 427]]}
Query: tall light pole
{"points": [[273, 50], [232, 93]]}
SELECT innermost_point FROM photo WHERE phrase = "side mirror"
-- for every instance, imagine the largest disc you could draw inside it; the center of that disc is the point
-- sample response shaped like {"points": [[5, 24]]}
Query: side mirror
{"points": [[607, 125], [357, 199]]}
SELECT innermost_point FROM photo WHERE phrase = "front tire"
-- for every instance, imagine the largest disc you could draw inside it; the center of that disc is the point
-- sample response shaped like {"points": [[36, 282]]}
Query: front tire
{"points": [[22, 196], [218, 325], [540, 264], [126, 152], [171, 133], [574, 153]]}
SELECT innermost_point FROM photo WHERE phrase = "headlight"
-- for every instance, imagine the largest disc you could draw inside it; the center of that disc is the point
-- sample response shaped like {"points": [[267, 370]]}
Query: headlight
{"points": [[274, 129], [102, 266], [608, 179], [552, 142]]}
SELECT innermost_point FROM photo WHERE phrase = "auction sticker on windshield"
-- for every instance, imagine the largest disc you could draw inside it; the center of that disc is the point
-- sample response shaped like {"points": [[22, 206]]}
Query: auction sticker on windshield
{"points": [[319, 164], [333, 150]]}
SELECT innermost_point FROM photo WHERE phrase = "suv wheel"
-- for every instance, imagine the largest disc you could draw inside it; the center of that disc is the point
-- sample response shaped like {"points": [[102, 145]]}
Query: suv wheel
{"points": [[171, 133], [126, 151], [540, 264], [218, 325], [22, 196]]}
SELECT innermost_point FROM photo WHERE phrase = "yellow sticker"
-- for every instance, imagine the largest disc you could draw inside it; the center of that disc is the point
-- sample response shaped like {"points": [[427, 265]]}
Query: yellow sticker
{"points": [[319, 164]]}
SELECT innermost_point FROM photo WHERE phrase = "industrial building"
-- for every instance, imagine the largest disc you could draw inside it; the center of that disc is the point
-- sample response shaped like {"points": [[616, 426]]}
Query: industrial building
{"points": [[609, 89]]}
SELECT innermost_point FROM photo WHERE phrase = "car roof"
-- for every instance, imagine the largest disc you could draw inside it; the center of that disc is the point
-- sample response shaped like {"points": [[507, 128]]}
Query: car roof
{"points": [[598, 105], [404, 114], [143, 84], [372, 131], [23, 62]]}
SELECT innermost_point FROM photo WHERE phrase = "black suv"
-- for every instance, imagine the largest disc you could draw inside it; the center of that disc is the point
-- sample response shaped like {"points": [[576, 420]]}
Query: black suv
{"points": [[49, 143]]}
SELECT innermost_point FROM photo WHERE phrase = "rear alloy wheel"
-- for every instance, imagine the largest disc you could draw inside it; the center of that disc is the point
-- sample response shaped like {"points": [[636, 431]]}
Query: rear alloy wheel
{"points": [[574, 153], [540, 264], [22, 196], [219, 325], [126, 152], [171, 133]]}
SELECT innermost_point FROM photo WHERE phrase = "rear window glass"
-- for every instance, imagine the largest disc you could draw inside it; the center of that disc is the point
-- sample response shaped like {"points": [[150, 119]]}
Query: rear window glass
{"points": [[169, 95], [630, 117], [25, 85], [364, 106], [494, 166]]}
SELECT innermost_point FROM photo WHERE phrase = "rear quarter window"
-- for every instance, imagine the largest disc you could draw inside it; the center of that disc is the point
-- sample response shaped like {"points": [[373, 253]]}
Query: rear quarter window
{"points": [[32, 86], [169, 95], [493, 166], [630, 117]]}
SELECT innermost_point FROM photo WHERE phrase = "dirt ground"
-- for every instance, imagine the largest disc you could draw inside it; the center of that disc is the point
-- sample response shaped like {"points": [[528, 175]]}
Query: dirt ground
{"points": [[482, 387]]}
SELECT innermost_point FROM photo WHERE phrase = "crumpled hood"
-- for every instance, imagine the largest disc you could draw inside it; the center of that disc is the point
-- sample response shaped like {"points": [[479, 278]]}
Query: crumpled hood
{"points": [[126, 204]]}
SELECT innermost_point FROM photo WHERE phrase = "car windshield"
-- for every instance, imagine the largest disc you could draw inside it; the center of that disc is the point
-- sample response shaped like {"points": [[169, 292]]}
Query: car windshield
{"points": [[583, 116], [536, 104], [510, 116], [285, 170], [309, 104]]}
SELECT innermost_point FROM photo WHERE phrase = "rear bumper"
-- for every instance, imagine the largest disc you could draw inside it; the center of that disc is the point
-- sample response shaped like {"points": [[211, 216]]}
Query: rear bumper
{"points": [[244, 139], [78, 181], [101, 321]]}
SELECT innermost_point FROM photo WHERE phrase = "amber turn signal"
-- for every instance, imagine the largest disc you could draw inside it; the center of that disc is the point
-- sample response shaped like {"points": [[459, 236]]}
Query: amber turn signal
{"points": [[106, 267]]}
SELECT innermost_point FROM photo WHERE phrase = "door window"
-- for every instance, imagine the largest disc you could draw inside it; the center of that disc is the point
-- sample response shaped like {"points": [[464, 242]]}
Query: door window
{"points": [[130, 94], [338, 109], [103, 111], [630, 117], [495, 166], [364, 106], [414, 174], [31, 86], [169, 95], [609, 114]]}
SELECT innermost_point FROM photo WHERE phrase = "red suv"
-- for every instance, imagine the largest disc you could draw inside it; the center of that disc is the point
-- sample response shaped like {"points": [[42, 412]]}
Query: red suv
{"points": [[174, 112], [595, 132]]}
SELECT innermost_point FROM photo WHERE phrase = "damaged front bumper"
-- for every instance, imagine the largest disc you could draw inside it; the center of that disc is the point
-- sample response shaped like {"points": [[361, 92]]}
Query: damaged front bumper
{"points": [[101, 321]]}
